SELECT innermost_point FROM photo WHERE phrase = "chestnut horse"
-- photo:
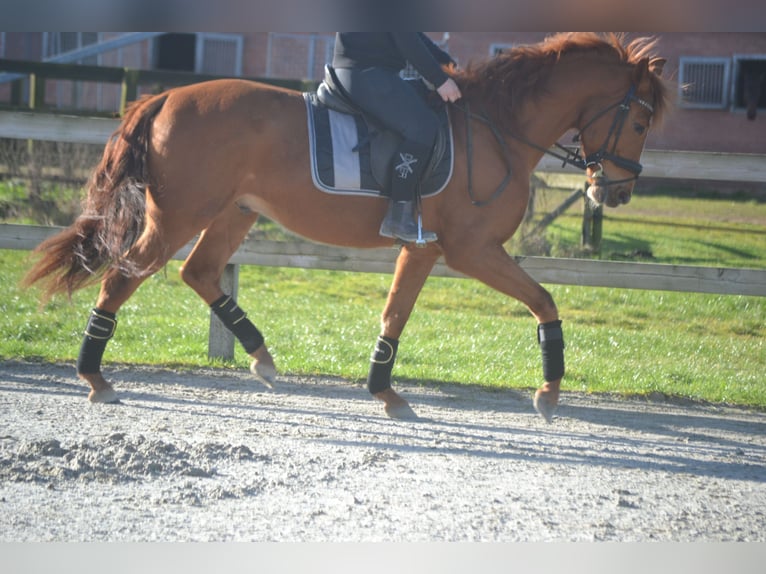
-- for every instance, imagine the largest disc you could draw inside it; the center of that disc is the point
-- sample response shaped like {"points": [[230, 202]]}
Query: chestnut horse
{"points": [[211, 157]]}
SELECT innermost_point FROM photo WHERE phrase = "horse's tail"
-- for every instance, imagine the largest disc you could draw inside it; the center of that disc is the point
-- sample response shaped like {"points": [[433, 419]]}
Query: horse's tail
{"points": [[113, 212]]}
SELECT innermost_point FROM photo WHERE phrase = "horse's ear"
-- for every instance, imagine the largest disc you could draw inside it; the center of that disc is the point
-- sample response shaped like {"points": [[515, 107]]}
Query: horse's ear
{"points": [[656, 65]]}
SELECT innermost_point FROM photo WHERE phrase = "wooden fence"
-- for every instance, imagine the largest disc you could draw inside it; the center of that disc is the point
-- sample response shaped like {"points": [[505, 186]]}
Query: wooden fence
{"points": [[685, 165]]}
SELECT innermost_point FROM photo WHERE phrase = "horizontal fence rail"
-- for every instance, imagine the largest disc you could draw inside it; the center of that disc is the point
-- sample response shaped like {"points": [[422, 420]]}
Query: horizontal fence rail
{"points": [[56, 127], [587, 272]]}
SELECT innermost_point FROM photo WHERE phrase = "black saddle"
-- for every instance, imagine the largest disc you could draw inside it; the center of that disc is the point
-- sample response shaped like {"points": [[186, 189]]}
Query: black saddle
{"points": [[383, 142]]}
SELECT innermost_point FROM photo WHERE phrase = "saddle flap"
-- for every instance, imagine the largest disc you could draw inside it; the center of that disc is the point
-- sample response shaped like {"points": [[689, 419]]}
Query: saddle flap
{"points": [[352, 154]]}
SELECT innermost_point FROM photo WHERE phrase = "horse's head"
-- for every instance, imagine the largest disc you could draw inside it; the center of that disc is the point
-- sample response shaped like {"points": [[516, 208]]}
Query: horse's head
{"points": [[613, 139]]}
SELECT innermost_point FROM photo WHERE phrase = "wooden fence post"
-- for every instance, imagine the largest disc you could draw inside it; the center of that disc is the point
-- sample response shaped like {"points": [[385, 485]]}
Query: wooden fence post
{"points": [[221, 341], [17, 88], [598, 227], [36, 102], [129, 91], [36, 91], [587, 218], [592, 223]]}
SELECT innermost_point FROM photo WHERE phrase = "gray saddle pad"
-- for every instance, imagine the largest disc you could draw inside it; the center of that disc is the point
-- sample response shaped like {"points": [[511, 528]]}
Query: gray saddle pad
{"points": [[348, 156]]}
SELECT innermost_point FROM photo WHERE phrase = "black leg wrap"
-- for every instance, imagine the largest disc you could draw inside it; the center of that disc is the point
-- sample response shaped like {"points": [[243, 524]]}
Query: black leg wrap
{"points": [[100, 328], [381, 364], [236, 321], [551, 339]]}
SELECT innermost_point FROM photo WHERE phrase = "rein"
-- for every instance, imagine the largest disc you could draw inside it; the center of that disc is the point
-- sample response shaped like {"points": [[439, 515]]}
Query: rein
{"points": [[566, 155], [466, 109]]}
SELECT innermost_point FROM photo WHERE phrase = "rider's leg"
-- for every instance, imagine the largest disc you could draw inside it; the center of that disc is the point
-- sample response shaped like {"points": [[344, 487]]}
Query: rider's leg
{"points": [[399, 222], [398, 106]]}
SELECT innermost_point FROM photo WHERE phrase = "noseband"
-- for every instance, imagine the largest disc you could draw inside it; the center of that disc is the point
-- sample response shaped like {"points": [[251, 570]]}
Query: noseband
{"points": [[605, 153]]}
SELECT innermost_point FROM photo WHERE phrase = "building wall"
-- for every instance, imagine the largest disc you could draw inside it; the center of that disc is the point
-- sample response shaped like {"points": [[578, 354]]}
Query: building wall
{"points": [[709, 130]]}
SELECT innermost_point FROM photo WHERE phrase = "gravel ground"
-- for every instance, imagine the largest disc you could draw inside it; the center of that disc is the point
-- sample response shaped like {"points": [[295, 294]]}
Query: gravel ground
{"points": [[211, 455]]}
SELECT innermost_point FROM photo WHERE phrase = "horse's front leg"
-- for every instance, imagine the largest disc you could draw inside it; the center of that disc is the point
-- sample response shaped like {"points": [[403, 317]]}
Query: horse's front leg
{"points": [[412, 269], [494, 267], [202, 271]]}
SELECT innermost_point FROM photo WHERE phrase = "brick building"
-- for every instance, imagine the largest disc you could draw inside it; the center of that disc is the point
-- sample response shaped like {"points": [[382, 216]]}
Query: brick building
{"points": [[710, 115]]}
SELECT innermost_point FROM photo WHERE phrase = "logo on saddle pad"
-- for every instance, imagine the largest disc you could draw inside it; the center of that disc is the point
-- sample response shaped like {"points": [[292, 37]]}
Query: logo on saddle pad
{"points": [[404, 169], [348, 156]]}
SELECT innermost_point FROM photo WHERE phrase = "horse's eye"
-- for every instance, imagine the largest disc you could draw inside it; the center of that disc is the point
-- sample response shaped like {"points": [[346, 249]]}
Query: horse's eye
{"points": [[639, 128]]}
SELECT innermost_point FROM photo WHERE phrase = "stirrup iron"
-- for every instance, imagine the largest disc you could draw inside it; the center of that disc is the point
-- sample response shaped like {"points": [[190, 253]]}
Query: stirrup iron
{"points": [[420, 242]]}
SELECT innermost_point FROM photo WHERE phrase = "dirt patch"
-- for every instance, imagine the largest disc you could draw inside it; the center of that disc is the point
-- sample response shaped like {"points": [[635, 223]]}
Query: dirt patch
{"points": [[212, 455]]}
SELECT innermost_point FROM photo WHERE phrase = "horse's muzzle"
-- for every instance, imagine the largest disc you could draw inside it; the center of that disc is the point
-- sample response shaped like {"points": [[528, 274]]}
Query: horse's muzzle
{"points": [[601, 193]]}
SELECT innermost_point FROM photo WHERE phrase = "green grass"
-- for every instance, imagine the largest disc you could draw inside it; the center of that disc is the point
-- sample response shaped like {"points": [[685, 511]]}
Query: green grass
{"points": [[704, 347], [663, 240], [685, 230], [697, 346]]}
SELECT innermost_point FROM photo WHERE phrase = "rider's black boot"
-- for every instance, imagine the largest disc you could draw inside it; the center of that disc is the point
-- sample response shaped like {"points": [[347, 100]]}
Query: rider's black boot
{"points": [[400, 223], [400, 220]]}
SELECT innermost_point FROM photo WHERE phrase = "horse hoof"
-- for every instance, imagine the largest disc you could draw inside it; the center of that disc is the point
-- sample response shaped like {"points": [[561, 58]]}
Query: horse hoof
{"points": [[104, 396], [266, 374], [545, 405], [401, 412]]}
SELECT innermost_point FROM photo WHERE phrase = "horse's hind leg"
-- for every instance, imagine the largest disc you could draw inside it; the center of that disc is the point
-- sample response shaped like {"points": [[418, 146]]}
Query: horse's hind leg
{"points": [[412, 269], [116, 288], [202, 271], [151, 251]]}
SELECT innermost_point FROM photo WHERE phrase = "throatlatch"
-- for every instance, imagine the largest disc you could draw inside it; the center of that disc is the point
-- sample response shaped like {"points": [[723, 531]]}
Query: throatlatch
{"points": [[235, 319], [551, 339], [100, 328], [381, 364]]}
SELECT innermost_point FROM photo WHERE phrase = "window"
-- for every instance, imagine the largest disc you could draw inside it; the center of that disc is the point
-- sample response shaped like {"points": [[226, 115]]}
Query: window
{"points": [[175, 52], [219, 54], [749, 81], [704, 82], [204, 53]]}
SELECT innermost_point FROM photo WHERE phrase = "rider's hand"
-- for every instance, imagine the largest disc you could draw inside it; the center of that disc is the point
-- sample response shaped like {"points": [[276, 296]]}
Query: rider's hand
{"points": [[449, 91]]}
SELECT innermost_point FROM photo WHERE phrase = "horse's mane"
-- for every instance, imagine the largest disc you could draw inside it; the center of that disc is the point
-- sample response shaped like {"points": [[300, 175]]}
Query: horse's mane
{"points": [[512, 76]]}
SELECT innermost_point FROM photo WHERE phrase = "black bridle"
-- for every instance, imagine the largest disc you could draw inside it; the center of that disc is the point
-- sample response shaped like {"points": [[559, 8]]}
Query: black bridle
{"points": [[566, 155], [595, 159]]}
